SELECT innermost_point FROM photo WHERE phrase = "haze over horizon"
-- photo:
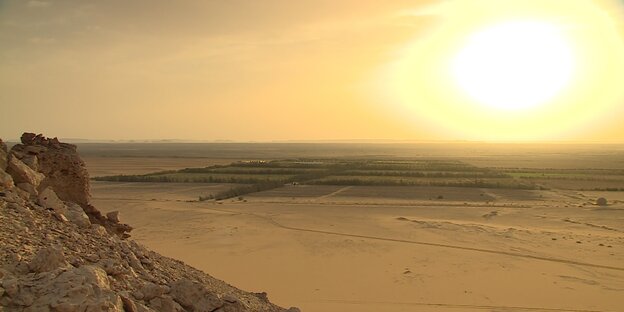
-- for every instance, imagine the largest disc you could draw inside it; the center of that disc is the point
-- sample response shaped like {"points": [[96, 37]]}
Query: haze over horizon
{"points": [[314, 70]]}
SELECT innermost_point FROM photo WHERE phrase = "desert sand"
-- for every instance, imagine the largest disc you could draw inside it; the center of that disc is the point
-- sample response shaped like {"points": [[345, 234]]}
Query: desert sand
{"points": [[353, 248]]}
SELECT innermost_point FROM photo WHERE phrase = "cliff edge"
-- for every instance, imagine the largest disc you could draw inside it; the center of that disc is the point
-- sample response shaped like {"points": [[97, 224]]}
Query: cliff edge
{"points": [[59, 253]]}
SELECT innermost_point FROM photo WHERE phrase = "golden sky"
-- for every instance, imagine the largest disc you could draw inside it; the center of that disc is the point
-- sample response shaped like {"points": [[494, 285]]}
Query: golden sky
{"points": [[313, 69]]}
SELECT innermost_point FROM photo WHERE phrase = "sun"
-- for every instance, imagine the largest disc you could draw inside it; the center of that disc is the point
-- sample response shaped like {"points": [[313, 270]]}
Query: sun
{"points": [[514, 65], [513, 70]]}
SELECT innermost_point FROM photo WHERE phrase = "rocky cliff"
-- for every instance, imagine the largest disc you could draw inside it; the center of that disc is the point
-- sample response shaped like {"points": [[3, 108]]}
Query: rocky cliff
{"points": [[59, 253]]}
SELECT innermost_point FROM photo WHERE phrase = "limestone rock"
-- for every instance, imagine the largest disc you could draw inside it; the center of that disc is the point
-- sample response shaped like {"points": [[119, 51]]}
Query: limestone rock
{"points": [[28, 188], [65, 172], [61, 165], [49, 200], [31, 161], [90, 267], [194, 296], [48, 259], [113, 216], [6, 180], [130, 305], [28, 138], [78, 289], [151, 291], [21, 173], [76, 215], [165, 304]]}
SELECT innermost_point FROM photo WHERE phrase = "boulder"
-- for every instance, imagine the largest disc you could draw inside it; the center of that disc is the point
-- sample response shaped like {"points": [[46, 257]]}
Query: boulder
{"points": [[49, 200], [31, 161], [27, 138], [151, 290], [6, 180], [48, 259], [76, 215], [165, 304], [21, 173], [112, 267], [601, 201], [63, 168], [130, 305], [194, 296], [85, 288], [28, 188], [113, 216], [64, 171]]}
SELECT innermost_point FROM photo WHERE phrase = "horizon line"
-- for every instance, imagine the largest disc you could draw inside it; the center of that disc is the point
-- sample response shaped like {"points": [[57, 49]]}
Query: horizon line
{"points": [[329, 141]]}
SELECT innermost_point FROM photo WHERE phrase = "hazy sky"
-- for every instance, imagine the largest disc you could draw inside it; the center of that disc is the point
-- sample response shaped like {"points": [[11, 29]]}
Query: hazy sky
{"points": [[267, 70]]}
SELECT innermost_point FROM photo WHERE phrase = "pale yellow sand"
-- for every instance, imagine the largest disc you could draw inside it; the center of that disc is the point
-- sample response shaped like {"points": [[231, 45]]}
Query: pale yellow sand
{"points": [[337, 249]]}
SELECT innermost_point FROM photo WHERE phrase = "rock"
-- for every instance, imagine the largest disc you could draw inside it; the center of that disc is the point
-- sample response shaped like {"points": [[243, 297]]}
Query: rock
{"points": [[6, 180], [93, 258], [601, 201], [113, 216], [134, 262], [229, 298], [78, 289], [111, 267], [142, 308], [60, 163], [65, 172], [22, 173], [48, 259], [76, 215], [21, 193], [98, 229], [11, 286], [262, 295], [28, 188], [194, 296], [128, 304], [31, 161], [90, 267], [3, 156], [151, 290], [49, 200], [165, 304], [3, 146], [61, 217], [28, 138]]}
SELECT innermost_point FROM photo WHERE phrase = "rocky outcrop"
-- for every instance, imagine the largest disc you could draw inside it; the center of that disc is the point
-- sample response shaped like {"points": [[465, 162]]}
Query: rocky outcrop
{"points": [[3, 155], [42, 165], [22, 173], [61, 255]]}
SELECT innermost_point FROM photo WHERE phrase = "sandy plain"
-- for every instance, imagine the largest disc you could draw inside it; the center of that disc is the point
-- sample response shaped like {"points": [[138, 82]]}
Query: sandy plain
{"points": [[362, 248]]}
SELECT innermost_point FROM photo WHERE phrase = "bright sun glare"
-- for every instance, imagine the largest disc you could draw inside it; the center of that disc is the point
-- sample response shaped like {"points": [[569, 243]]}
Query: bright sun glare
{"points": [[514, 65], [511, 70]]}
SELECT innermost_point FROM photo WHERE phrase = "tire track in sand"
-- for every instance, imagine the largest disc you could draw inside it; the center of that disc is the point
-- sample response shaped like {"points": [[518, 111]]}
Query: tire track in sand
{"points": [[424, 243], [458, 306], [335, 192]]}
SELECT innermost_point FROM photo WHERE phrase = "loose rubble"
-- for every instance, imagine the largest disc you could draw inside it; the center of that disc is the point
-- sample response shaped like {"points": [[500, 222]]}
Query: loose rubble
{"points": [[59, 253]]}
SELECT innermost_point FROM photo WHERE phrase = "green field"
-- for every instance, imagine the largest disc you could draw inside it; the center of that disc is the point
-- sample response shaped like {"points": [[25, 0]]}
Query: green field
{"points": [[263, 175]]}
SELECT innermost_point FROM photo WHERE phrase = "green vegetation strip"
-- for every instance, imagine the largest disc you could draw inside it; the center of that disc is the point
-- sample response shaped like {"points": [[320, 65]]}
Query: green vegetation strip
{"points": [[265, 175]]}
